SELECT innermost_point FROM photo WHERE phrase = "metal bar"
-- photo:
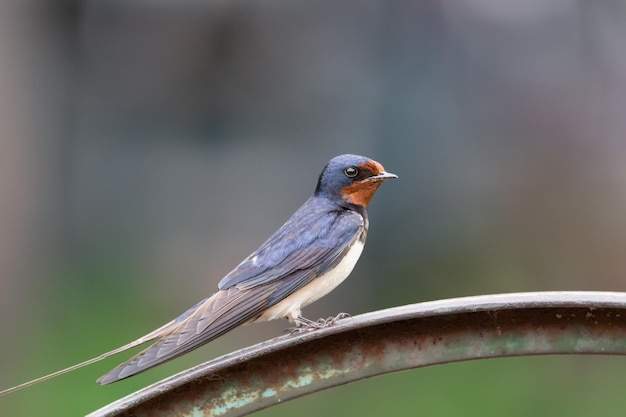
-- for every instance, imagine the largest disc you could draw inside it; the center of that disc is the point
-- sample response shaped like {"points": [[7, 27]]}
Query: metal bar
{"points": [[385, 341]]}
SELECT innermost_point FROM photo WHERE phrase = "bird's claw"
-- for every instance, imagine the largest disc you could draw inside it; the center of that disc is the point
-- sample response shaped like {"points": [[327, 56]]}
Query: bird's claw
{"points": [[305, 325], [340, 316], [293, 330]]}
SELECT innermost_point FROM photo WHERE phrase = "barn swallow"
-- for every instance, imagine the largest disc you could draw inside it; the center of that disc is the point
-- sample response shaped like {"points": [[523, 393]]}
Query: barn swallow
{"points": [[310, 255]]}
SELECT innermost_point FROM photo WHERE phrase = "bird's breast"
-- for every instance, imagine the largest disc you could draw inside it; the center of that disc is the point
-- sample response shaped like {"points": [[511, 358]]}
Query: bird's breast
{"points": [[319, 287]]}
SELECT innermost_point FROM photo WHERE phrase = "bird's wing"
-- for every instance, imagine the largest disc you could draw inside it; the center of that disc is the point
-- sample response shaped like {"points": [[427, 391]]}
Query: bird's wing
{"points": [[245, 300], [310, 239]]}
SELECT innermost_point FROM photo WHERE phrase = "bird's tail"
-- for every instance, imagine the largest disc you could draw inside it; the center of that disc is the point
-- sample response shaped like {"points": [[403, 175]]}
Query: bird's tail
{"points": [[207, 320], [150, 336]]}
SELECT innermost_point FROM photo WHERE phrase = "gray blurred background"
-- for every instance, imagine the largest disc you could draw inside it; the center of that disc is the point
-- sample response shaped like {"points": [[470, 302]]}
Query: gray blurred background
{"points": [[146, 147]]}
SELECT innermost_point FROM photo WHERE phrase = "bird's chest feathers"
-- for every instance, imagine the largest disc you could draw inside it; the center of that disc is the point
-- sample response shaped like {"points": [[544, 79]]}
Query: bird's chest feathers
{"points": [[330, 280], [319, 287]]}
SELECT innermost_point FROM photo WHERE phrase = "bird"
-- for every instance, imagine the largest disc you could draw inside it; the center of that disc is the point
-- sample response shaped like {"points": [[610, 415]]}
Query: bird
{"points": [[305, 259]]}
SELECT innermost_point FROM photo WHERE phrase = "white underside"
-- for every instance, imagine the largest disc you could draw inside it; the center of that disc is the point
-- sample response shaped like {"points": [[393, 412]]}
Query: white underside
{"points": [[319, 287]]}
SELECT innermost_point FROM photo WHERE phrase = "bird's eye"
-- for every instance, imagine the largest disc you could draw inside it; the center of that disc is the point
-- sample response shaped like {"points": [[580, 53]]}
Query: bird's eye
{"points": [[351, 172]]}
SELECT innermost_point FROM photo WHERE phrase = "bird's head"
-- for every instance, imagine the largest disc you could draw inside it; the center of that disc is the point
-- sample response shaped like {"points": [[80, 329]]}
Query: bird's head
{"points": [[352, 178]]}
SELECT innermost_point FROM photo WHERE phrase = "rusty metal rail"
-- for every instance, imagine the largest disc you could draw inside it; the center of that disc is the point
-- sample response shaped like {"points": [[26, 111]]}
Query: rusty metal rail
{"points": [[385, 341]]}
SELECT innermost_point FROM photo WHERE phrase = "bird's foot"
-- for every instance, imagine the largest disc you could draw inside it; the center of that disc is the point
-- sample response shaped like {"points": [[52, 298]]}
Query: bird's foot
{"points": [[338, 317], [305, 325]]}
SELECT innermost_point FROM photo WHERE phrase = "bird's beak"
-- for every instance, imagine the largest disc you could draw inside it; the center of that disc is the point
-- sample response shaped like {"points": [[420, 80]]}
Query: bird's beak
{"points": [[383, 176]]}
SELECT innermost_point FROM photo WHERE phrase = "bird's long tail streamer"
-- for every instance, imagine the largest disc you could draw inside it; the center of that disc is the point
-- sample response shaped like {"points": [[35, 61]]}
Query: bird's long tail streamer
{"points": [[151, 336]]}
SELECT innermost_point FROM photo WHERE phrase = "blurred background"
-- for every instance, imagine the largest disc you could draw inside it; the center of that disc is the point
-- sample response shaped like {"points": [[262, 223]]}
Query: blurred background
{"points": [[146, 147]]}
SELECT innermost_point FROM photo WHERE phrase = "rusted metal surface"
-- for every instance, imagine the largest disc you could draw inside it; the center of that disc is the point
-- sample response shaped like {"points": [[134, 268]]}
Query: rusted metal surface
{"points": [[385, 341]]}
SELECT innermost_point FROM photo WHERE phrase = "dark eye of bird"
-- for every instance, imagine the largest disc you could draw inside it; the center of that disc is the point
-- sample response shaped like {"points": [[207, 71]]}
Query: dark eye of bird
{"points": [[351, 172]]}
